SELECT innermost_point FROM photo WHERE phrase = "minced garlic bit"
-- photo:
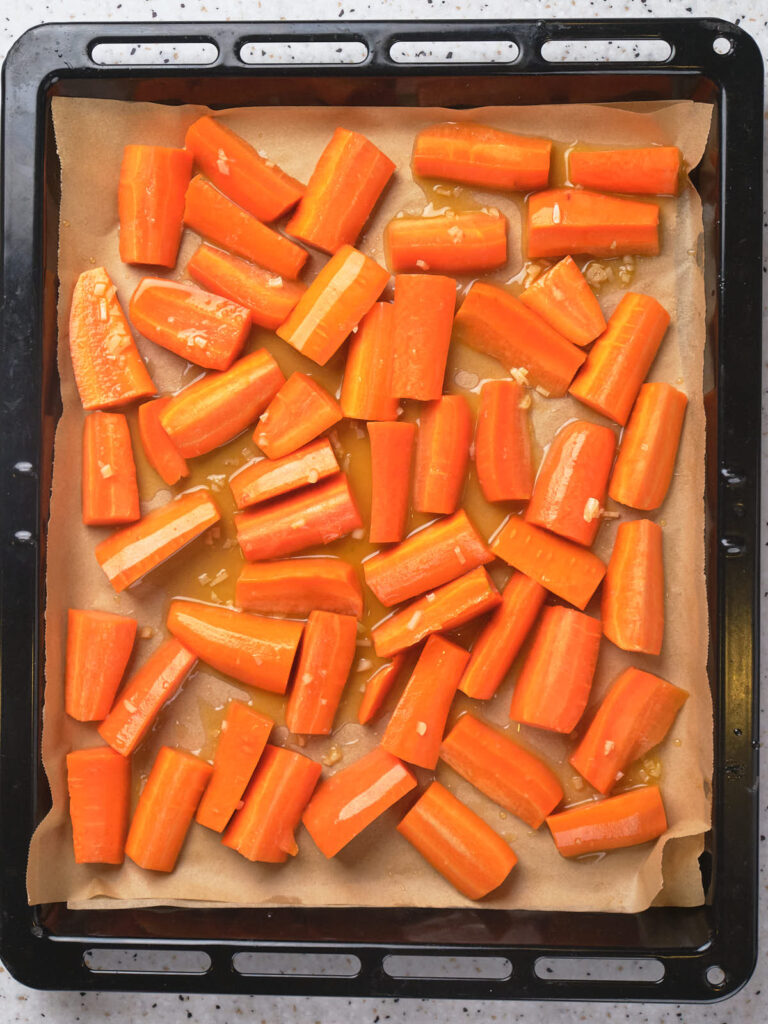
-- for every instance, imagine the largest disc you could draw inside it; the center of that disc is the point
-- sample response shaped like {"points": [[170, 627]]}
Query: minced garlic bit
{"points": [[146, 632], [520, 374], [456, 234], [577, 782], [592, 510], [333, 755], [429, 597], [129, 706], [364, 664], [542, 391], [224, 725], [609, 746], [106, 470], [421, 728], [491, 211], [103, 310], [503, 815], [460, 554], [422, 264], [203, 579], [597, 274], [99, 289], [274, 281], [525, 402], [607, 513], [220, 576], [358, 534], [222, 163], [313, 476], [442, 190], [556, 213]]}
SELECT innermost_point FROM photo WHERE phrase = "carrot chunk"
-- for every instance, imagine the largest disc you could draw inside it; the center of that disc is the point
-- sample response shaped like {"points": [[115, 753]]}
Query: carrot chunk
{"points": [[597, 826], [298, 586], [327, 653], [367, 393], [562, 297], [423, 318], [463, 242], [391, 456], [99, 645], [377, 689], [650, 171], [267, 478], [110, 491], [442, 454], [300, 411], [565, 221], [503, 450], [159, 450], [633, 588], [475, 154], [150, 199], [99, 785]]}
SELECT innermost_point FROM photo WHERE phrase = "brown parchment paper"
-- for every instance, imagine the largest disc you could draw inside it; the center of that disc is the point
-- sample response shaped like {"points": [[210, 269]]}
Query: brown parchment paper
{"points": [[379, 868]]}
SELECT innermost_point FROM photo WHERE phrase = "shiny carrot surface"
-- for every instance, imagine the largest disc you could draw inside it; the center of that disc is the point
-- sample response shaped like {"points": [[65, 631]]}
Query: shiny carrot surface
{"points": [[565, 221], [150, 199], [109, 488], [377, 689], [455, 244], [366, 393], [298, 586], [562, 297], [392, 447], [99, 646], [442, 454], [99, 787], [633, 589], [300, 411], [159, 450], [476, 154], [649, 170], [262, 479], [327, 653], [503, 448], [599, 825], [423, 318]]}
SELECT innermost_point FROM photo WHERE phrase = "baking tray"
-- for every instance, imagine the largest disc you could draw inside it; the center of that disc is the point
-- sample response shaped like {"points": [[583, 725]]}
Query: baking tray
{"points": [[703, 953]]}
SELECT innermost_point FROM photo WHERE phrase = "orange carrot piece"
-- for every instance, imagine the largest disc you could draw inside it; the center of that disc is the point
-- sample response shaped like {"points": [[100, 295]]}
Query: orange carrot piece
{"points": [[377, 689], [130, 553], [220, 406], [346, 803], [160, 451], [99, 785], [503, 451], [99, 646], [553, 687], [205, 329], [442, 454], [316, 515], [646, 461], [562, 297], [633, 588], [597, 826], [263, 829], [428, 558], [509, 775], [267, 296], [150, 199], [423, 318], [217, 219], [107, 365], [565, 221], [499, 643], [327, 653], [621, 357], [416, 728], [110, 490], [391, 457], [140, 700], [165, 809], [650, 171], [334, 304], [457, 244], [300, 411], [457, 843], [252, 649], [267, 478], [342, 191], [366, 392], [239, 171], [244, 734], [475, 154], [298, 586], [635, 715], [492, 321]]}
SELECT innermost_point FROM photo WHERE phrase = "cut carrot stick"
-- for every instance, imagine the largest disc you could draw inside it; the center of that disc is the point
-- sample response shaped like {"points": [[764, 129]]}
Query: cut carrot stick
{"points": [[646, 461], [377, 689], [239, 171], [99, 646], [621, 357], [509, 775], [475, 154], [391, 457], [499, 643], [205, 329], [99, 785], [160, 451], [300, 411], [650, 171], [130, 553], [553, 687], [345, 804], [298, 586], [255, 650], [334, 304], [267, 478], [165, 809], [150, 199], [565, 221], [244, 734], [569, 493], [503, 451], [217, 219], [110, 490], [108, 367], [492, 321], [327, 653], [442, 454], [142, 697], [423, 318], [635, 716], [597, 826], [562, 297], [456, 244], [263, 829], [220, 406], [428, 558], [415, 730], [267, 296], [457, 843], [366, 393], [317, 515], [633, 589], [342, 191]]}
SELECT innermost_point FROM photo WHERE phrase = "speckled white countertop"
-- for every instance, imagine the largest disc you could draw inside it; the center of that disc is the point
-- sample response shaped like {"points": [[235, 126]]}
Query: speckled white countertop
{"points": [[19, 1005]]}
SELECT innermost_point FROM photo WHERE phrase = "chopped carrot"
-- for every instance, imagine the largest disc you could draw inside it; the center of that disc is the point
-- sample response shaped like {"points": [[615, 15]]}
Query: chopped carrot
{"points": [[159, 450], [562, 297], [327, 653], [475, 154], [455, 244], [391, 457], [503, 450], [110, 490], [565, 221], [99, 646], [263, 829], [366, 393], [342, 191], [442, 454], [377, 689], [150, 199], [633, 588], [599, 825], [423, 318], [650, 171], [298, 586], [267, 478], [300, 411], [99, 785]]}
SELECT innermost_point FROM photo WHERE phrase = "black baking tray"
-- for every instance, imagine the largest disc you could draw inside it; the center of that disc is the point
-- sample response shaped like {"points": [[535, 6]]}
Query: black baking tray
{"points": [[705, 953]]}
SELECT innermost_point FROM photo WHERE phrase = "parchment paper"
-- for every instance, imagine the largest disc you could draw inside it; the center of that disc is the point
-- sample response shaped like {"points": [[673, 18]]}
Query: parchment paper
{"points": [[379, 868]]}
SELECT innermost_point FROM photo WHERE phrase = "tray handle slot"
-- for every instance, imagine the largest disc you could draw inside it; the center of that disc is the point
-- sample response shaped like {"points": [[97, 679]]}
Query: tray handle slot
{"points": [[304, 51], [468, 968], [143, 52], [299, 965], [454, 51], [146, 961], [592, 969], [619, 50]]}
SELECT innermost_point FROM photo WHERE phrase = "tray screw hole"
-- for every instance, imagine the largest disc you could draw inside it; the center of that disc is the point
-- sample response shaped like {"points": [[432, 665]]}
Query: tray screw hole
{"points": [[722, 46], [715, 976]]}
